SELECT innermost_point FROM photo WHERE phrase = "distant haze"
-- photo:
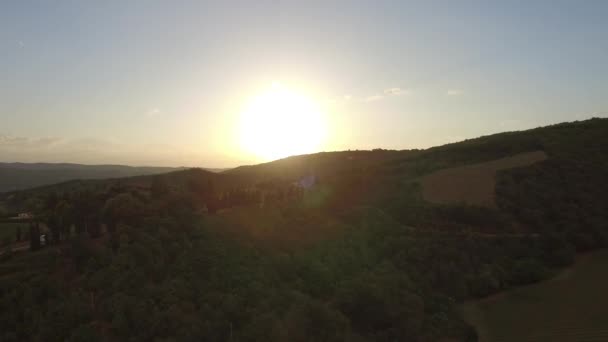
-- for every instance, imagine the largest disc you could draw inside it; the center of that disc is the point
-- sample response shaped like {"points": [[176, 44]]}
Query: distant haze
{"points": [[18, 176]]}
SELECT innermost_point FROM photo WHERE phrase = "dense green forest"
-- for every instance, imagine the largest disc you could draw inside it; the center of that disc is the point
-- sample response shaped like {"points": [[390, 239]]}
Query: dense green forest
{"points": [[333, 246]]}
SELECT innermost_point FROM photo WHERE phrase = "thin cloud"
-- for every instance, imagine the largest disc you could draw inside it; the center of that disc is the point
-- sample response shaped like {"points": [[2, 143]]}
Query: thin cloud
{"points": [[396, 92], [373, 98], [454, 92], [153, 112], [10, 141], [386, 93], [389, 92], [91, 150]]}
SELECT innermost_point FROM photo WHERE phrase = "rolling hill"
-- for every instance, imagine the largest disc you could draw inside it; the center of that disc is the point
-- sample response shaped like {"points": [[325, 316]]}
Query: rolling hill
{"points": [[18, 176], [338, 246]]}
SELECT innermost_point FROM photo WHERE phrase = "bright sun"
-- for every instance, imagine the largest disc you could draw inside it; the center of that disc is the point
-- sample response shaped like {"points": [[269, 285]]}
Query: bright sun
{"points": [[281, 123]]}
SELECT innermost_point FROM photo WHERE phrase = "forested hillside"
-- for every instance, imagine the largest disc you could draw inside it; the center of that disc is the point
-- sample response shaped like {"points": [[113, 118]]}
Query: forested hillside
{"points": [[335, 246]]}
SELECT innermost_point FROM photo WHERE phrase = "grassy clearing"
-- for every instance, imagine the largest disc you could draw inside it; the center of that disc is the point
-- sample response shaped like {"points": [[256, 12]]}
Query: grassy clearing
{"points": [[472, 184], [570, 307]]}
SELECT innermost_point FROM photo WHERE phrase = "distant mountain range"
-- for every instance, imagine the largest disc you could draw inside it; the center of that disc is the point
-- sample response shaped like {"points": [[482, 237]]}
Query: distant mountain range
{"points": [[18, 176]]}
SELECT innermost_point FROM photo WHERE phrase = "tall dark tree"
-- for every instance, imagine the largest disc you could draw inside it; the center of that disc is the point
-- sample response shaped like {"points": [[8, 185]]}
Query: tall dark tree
{"points": [[54, 227], [87, 209], [65, 216], [34, 236]]}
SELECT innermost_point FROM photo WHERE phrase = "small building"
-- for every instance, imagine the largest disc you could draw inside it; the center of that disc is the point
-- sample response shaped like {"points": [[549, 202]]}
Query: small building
{"points": [[25, 216]]}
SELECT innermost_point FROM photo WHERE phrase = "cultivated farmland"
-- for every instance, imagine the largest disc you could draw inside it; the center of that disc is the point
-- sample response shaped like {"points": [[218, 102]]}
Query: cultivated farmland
{"points": [[569, 307], [472, 184]]}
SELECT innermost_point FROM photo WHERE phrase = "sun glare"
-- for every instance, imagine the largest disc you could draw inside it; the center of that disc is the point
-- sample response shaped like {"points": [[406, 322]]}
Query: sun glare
{"points": [[280, 123]]}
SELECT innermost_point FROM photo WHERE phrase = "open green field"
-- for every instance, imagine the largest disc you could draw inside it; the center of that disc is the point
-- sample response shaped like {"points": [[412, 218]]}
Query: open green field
{"points": [[570, 307]]}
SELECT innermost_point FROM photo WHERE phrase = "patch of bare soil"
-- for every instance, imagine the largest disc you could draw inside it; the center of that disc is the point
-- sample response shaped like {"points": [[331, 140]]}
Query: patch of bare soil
{"points": [[472, 184]]}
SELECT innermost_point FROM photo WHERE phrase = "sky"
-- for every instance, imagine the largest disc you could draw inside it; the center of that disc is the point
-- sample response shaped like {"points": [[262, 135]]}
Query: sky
{"points": [[165, 82]]}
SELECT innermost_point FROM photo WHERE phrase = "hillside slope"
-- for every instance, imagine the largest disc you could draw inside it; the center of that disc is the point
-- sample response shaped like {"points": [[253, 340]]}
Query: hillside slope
{"points": [[18, 176], [473, 184], [337, 246]]}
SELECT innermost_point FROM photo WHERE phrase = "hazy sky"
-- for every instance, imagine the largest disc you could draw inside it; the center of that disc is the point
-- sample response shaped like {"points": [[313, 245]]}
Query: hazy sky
{"points": [[163, 82]]}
